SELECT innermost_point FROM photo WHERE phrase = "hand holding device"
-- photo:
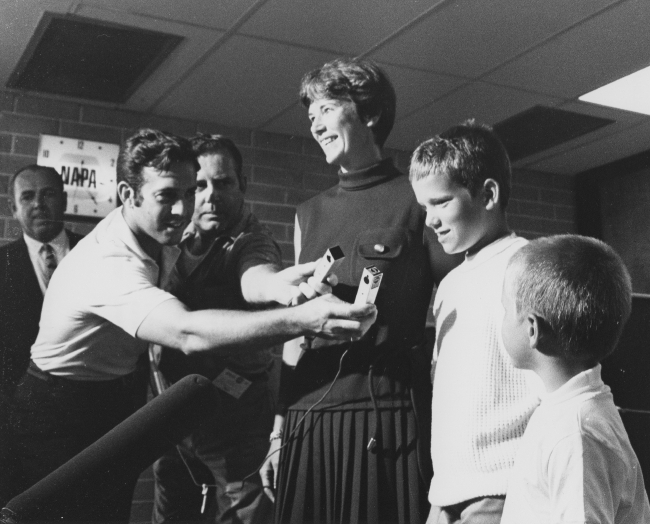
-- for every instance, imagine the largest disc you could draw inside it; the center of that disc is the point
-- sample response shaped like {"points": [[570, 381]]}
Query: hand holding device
{"points": [[331, 318], [325, 268], [328, 264]]}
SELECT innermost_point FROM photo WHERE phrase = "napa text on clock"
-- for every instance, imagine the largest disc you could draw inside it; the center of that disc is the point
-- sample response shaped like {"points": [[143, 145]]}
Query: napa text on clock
{"points": [[82, 177]]}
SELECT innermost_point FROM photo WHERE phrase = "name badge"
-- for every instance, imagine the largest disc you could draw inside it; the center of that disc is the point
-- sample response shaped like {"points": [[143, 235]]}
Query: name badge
{"points": [[231, 383]]}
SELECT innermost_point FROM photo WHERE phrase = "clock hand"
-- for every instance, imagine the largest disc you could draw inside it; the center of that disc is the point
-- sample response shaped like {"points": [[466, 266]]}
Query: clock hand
{"points": [[92, 197]]}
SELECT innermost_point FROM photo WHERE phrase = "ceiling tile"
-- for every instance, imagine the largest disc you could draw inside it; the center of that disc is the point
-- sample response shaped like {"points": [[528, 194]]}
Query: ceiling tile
{"points": [[18, 20], [611, 45], [541, 127], [245, 83], [484, 102], [469, 38], [623, 120], [197, 41], [206, 13], [628, 142], [342, 26], [416, 88]]}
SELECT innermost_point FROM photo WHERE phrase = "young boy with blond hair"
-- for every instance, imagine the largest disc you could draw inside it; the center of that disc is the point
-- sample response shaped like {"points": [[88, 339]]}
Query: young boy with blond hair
{"points": [[481, 403], [566, 299]]}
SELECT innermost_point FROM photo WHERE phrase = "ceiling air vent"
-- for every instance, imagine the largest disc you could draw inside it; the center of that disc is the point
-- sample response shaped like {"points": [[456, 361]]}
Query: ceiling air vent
{"points": [[79, 57], [540, 128]]}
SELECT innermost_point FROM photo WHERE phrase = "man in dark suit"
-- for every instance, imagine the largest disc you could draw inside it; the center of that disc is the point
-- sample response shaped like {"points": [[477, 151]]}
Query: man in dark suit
{"points": [[38, 202]]}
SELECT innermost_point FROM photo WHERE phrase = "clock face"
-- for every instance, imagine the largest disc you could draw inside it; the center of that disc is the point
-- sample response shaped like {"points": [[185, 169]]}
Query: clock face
{"points": [[88, 170]]}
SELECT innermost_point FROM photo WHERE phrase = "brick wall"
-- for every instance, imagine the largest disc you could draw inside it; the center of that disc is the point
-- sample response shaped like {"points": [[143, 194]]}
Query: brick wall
{"points": [[282, 171], [541, 204]]}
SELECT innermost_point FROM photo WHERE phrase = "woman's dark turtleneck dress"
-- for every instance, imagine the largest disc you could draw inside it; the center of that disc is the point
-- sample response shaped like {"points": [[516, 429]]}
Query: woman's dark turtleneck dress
{"points": [[327, 473]]}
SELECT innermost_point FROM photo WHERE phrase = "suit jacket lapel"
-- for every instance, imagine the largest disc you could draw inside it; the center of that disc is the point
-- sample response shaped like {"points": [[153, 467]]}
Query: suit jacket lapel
{"points": [[23, 270]]}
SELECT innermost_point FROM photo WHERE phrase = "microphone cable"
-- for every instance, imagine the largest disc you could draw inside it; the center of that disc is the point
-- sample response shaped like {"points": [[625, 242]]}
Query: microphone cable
{"points": [[302, 419]]}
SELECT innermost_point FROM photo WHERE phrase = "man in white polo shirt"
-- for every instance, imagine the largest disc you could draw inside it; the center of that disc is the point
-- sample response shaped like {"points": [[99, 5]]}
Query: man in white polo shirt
{"points": [[103, 306]]}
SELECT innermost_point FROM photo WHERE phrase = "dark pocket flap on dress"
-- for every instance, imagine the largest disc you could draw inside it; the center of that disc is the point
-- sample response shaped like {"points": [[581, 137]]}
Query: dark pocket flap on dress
{"points": [[382, 243]]}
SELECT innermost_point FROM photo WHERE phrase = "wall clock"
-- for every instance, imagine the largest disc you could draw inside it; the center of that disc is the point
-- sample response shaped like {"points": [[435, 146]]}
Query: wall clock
{"points": [[88, 170]]}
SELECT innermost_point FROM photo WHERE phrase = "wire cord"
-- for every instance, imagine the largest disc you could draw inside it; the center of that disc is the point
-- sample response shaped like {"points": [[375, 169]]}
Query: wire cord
{"points": [[302, 419]]}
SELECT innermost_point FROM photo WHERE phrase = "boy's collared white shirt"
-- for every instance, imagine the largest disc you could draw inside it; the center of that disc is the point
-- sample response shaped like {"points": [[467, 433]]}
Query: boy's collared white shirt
{"points": [[575, 463]]}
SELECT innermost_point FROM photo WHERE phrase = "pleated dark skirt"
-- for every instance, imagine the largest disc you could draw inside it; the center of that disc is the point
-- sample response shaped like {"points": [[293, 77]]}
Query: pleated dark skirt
{"points": [[327, 475]]}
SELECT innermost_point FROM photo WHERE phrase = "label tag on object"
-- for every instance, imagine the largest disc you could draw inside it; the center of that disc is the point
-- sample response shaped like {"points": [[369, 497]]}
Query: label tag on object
{"points": [[231, 383]]}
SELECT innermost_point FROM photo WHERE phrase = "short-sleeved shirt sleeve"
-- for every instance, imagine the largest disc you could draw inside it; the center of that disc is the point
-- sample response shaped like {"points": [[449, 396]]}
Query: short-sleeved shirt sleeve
{"points": [[255, 249], [215, 281], [126, 294], [582, 481]]}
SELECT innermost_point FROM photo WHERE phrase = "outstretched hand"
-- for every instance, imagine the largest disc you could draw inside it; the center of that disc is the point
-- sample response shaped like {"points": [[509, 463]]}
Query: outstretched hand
{"points": [[329, 317]]}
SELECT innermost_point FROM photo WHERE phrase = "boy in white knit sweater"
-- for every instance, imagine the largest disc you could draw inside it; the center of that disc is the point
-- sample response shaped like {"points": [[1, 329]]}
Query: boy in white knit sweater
{"points": [[481, 403], [566, 299]]}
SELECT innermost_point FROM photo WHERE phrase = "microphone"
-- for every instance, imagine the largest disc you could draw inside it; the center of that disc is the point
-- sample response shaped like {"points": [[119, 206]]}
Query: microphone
{"points": [[102, 469]]}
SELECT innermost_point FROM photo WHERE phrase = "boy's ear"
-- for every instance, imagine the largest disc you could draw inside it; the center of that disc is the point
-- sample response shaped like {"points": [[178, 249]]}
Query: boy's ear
{"points": [[533, 324], [491, 193]]}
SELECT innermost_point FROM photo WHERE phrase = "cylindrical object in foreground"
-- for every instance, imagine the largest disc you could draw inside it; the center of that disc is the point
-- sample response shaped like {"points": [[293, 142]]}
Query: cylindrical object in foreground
{"points": [[99, 471]]}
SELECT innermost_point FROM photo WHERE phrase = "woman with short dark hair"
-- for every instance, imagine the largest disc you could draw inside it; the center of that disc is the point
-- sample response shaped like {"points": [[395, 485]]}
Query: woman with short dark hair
{"points": [[356, 429]]}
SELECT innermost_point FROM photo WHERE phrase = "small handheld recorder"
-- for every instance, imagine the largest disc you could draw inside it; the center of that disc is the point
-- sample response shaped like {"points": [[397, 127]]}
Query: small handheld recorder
{"points": [[369, 285], [328, 264]]}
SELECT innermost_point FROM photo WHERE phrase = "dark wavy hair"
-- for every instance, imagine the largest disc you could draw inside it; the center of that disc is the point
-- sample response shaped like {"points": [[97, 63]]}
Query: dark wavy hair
{"points": [[580, 288], [152, 148], [362, 82], [468, 154], [204, 144]]}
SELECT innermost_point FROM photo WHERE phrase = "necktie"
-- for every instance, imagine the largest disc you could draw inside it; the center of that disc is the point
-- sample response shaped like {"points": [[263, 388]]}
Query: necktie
{"points": [[48, 262]]}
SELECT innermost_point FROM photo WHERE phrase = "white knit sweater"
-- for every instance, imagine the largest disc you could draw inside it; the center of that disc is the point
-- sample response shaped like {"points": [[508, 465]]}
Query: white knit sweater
{"points": [[481, 403]]}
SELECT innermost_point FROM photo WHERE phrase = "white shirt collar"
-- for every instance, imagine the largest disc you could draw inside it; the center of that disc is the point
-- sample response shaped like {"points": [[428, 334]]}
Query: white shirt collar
{"points": [[586, 381], [59, 243], [493, 248], [121, 230]]}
